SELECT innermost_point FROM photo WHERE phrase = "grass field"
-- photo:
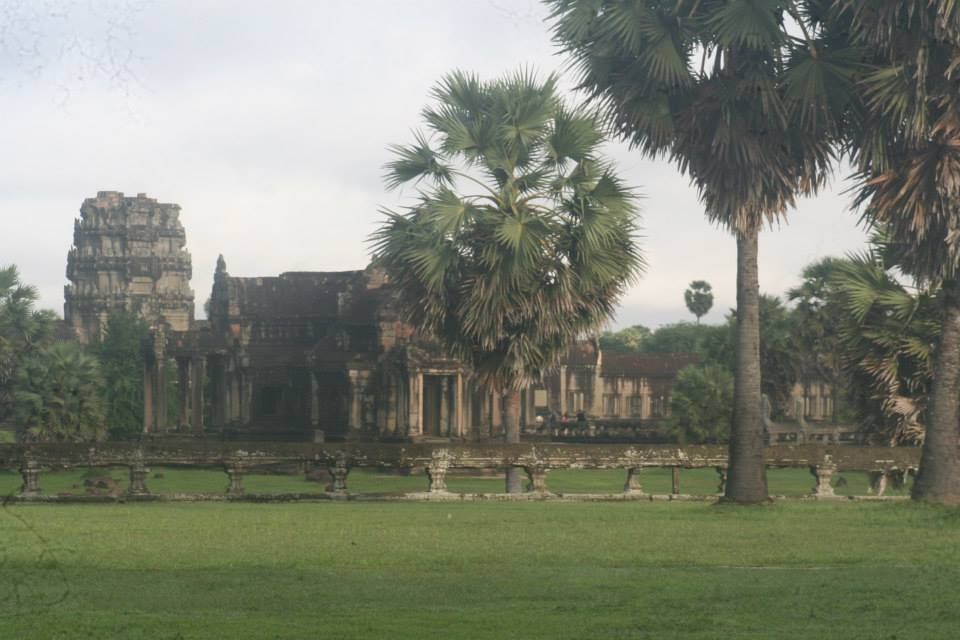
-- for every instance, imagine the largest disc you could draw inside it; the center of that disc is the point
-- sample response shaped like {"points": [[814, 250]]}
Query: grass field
{"points": [[787, 482], [479, 570]]}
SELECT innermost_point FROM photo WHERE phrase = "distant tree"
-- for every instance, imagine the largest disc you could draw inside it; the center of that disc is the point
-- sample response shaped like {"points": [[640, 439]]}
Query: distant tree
{"points": [[629, 340], [121, 357], [699, 298], [817, 318], [714, 342], [702, 404], [523, 239], [58, 393]]}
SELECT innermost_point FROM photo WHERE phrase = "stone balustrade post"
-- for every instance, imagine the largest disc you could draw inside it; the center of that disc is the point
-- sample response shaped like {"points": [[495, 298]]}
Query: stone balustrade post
{"points": [[338, 474], [675, 480], [30, 472], [823, 473], [235, 475], [878, 482], [722, 486], [538, 478], [138, 479], [437, 470], [632, 486]]}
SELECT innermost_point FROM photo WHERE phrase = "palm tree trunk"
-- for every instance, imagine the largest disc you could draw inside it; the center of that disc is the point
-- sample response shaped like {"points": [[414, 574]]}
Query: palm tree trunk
{"points": [[511, 433], [747, 474], [938, 480]]}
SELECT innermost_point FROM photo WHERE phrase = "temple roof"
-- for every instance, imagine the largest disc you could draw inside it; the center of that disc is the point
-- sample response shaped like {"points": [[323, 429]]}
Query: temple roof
{"points": [[647, 365]]}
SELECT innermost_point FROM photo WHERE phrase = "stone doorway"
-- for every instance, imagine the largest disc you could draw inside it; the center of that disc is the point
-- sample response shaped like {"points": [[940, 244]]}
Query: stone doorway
{"points": [[438, 405]]}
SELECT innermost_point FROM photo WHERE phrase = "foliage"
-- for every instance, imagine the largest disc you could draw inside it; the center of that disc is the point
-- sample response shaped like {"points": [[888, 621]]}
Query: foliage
{"points": [[699, 298], [887, 336], [629, 340], [817, 318], [702, 404], [58, 393], [23, 330], [713, 342], [121, 357], [522, 239]]}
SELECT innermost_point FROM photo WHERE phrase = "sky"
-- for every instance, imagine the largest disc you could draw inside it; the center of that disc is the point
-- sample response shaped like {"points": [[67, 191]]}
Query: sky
{"points": [[268, 123]]}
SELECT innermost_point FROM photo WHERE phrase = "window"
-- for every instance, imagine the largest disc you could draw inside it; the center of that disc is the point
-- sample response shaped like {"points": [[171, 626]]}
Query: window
{"points": [[657, 407], [636, 406], [575, 401]]}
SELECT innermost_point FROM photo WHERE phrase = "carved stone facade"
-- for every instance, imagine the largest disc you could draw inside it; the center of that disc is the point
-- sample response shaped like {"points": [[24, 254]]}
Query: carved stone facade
{"points": [[128, 254], [310, 355]]}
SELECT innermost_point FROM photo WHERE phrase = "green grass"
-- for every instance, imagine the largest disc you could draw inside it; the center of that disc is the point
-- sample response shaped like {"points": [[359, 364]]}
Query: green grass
{"points": [[479, 570], [788, 482]]}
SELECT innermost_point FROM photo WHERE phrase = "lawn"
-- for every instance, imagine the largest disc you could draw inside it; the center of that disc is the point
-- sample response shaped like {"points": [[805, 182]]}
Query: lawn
{"points": [[479, 570]]}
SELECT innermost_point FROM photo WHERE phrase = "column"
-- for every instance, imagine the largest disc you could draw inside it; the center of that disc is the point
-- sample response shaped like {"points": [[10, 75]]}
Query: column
{"points": [[219, 391], [183, 382], [445, 406], [531, 409], [148, 422], [462, 406], [415, 401], [314, 401], [483, 428], [198, 372], [355, 399], [246, 395], [563, 389], [160, 394]]}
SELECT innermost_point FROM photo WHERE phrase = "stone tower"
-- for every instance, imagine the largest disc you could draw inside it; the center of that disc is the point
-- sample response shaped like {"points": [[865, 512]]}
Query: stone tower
{"points": [[128, 254]]}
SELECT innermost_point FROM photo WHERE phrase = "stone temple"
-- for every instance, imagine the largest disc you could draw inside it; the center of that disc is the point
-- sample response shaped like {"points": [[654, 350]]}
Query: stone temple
{"points": [[305, 355]]}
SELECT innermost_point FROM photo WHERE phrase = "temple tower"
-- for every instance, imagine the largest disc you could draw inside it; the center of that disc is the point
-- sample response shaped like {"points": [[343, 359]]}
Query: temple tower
{"points": [[128, 254]]}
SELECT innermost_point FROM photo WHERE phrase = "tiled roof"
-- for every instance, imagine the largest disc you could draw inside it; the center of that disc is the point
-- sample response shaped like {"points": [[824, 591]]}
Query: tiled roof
{"points": [[646, 365]]}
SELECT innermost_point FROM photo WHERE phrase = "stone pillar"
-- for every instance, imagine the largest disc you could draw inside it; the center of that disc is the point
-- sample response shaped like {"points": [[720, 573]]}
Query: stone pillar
{"points": [[148, 421], [183, 382], [483, 426], [415, 411], [632, 486], [314, 401], [823, 473], [878, 482], [563, 389], [338, 474], [530, 409], [235, 476], [538, 479], [160, 394], [353, 419], [235, 393], [30, 472], [437, 470], [198, 373], [675, 480], [218, 377], [138, 479], [246, 395], [462, 406], [445, 406], [722, 473]]}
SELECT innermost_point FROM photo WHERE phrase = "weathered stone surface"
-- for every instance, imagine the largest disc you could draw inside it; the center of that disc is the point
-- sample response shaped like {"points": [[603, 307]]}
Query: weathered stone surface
{"points": [[128, 254]]}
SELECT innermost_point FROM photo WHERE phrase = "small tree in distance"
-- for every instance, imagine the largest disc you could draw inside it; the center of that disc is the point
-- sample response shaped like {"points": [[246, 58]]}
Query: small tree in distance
{"points": [[699, 298]]}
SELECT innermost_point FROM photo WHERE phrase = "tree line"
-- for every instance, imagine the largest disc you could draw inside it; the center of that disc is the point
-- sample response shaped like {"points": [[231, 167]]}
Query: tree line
{"points": [[755, 101]]}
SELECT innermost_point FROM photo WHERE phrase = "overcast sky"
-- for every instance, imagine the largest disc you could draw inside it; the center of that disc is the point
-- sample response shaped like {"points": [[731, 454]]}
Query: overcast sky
{"points": [[268, 122]]}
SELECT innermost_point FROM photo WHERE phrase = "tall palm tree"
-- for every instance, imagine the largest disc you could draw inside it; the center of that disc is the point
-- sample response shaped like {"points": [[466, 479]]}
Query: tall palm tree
{"points": [[699, 298], [906, 149], [522, 238], [744, 108]]}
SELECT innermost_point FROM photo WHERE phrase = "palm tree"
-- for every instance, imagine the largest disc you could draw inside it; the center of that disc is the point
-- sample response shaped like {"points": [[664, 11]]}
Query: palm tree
{"points": [[522, 238], [699, 298], [744, 109], [59, 394], [906, 149], [884, 332]]}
